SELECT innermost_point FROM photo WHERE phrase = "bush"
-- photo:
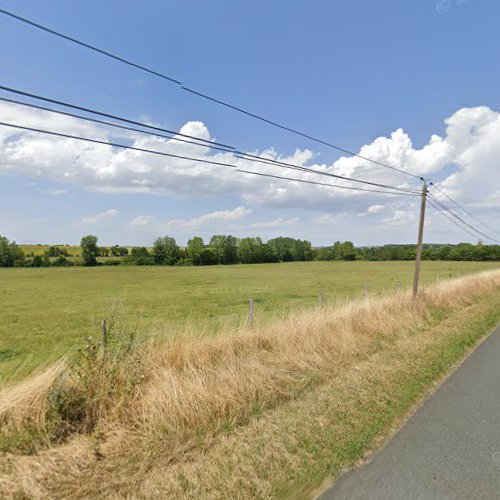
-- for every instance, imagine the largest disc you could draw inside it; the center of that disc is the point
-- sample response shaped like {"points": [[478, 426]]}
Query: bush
{"points": [[99, 378]]}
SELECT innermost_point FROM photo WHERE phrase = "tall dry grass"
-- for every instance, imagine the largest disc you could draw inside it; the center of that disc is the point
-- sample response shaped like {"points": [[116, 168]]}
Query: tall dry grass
{"points": [[26, 403], [205, 385], [193, 388]]}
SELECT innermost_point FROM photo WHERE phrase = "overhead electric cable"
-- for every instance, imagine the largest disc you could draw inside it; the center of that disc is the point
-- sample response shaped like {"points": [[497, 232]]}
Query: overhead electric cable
{"points": [[236, 153], [202, 95], [114, 144], [111, 124], [108, 115], [461, 207], [321, 183], [444, 214], [453, 214], [88, 46], [161, 153]]}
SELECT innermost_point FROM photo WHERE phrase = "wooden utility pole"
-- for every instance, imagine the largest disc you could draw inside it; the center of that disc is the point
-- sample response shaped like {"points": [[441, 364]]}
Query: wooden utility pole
{"points": [[420, 243]]}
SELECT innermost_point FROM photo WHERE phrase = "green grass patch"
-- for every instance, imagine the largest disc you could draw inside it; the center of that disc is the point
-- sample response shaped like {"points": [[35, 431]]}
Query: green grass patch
{"points": [[47, 312]]}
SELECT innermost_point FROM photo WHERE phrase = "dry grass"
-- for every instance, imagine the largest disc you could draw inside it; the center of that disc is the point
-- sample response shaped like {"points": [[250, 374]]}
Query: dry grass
{"points": [[197, 390], [26, 403]]}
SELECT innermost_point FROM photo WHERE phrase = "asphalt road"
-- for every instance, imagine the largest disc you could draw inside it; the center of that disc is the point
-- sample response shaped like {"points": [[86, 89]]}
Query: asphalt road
{"points": [[449, 449]]}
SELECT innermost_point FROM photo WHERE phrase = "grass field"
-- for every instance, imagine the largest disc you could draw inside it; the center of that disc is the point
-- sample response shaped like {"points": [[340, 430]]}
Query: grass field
{"points": [[266, 412], [47, 312], [73, 250]]}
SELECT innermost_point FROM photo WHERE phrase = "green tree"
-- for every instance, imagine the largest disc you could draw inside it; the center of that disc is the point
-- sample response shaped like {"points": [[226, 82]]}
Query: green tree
{"points": [[251, 251], [165, 251], [195, 247], [118, 251], [90, 250], [10, 254], [224, 248], [139, 256]]}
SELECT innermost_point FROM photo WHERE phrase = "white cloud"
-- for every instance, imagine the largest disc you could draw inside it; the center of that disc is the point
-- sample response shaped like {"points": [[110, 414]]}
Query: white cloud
{"points": [[101, 217], [276, 223], [372, 210], [55, 192], [465, 159], [209, 219], [142, 220]]}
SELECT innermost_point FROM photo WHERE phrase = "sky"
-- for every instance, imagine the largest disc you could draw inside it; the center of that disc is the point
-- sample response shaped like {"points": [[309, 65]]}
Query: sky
{"points": [[413, 84]]}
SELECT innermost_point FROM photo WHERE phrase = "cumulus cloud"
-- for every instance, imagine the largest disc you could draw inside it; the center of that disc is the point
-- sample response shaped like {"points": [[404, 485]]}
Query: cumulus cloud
{"points": [[464, 160], [100, 217]]}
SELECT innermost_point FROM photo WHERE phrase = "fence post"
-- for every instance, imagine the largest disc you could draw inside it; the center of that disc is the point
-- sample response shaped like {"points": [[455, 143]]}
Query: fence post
{"points": [[104, 334], [250, 313], [366, 291], [398, 285], [321, 299]]}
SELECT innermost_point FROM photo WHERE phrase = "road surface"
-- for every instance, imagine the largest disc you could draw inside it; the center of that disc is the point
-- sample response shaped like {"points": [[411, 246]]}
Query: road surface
{"points": [[449, 449]]}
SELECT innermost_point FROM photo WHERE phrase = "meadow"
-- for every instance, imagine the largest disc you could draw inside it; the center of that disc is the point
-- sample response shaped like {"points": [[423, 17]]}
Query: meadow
{"points": [[273, 411], [48, 312]]}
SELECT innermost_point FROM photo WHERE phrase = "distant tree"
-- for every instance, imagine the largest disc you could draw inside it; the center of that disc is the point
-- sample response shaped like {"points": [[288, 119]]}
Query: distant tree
{"points": [[37, 261], [224, 248], [207, 257], [282, 248], [290, 249], [90, 250], [61, 261], [195, 248], [139, 256], [55, 251], [165, 251], [10, 254], [251, 251], [324, 253], [118, 251], [344, 251], [104, 252]]}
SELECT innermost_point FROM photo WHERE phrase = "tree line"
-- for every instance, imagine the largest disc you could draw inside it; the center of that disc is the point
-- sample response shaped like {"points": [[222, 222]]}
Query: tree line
{"points": [[226, 249]]}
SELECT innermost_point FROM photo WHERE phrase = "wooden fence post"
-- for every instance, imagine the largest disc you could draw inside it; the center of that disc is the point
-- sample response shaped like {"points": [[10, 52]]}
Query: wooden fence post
{"points": [[104, 334], [366, 291], [321, 299], [250, 313]]}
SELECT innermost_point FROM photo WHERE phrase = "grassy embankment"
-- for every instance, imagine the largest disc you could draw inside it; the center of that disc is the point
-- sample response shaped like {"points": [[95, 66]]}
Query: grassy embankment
{"points": [[258, 413], [48, 312]]}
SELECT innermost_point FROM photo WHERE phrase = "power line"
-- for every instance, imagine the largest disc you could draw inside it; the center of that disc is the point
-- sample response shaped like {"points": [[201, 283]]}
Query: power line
{"points": [[321, 183], [327, 174], [297, 132], [88, 46], [202, 95], [444, 214], [464, 209], [143, 150], [236, 153], [114, 144], [453, 214], [108, 115], [111, 124]]}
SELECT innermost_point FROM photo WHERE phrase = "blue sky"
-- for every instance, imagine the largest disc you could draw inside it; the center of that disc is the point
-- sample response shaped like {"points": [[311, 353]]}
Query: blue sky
{"points": [[348, 72]]}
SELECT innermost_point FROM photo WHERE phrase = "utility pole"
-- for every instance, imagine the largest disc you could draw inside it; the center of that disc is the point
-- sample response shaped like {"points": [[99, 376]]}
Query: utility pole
{"points": [[418, 260]]}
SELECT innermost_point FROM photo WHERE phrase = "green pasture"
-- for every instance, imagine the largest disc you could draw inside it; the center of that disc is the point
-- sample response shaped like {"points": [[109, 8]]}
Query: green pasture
{"points": [[46, 312]]}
